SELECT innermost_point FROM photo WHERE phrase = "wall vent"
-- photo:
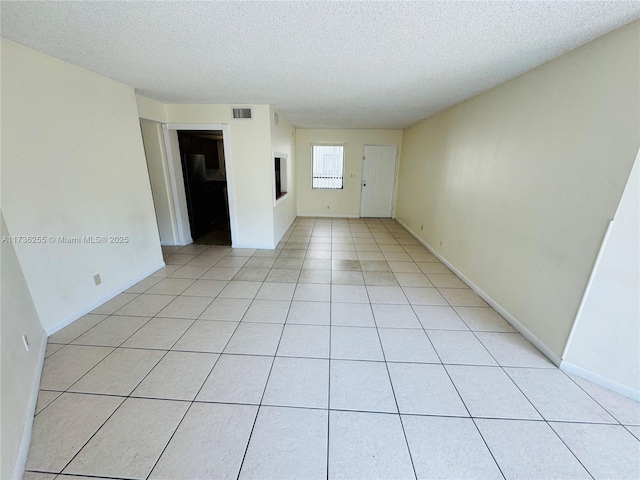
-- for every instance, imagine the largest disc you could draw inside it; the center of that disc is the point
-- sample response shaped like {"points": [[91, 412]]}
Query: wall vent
{"points": [[241, 112]]}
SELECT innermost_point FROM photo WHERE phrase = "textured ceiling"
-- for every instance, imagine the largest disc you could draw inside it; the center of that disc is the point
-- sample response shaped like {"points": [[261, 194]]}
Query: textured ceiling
{"points": [[321, 64]]}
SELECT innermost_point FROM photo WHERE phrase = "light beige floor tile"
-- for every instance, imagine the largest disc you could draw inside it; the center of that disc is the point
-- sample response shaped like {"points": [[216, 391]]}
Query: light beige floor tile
{"points": [[229, 309], [178, 376], [407, 345], [45, 397], [355, 343], [251, 274], [298, 382], [345, 277], [371, 254], [488, 392], [315, 276], [375, 266], [309, 313], [220, 273], [316, 263], [513, 350], [362, 386], [114, 304], [623, 409], [164, 271], [349, 294], [424, 296], [232, 261], [462, 297], [159, 333], [283, 275], [255, 339], [380, 279], [301, 433], [204, 260], [525, 449], [131, 441], [404, 267], [304, 341], [312, 292], [205, 288], [260, 262], [267, 311], [236, 289], [395, 316], [276, 291], [446, 280], [206, 336], [119, 373], [112, 331], [392, 248], [178, 259], [190, 271], [38, 476], [241, 252], [425, 389], [236, 379], [344, 264], [433, 267], [170, 286], [65, 426], [186, 307], [606, 451], [222, 432], [352, 315], [51, 349], [439, 318], [556, 397], [481, 319], [350, 254], [368, 445], [413, 280], [459, 347], [146, 305], [287, 261], [76, 328], [63, 369], [448, 448], [422, 256], [386, 295]]}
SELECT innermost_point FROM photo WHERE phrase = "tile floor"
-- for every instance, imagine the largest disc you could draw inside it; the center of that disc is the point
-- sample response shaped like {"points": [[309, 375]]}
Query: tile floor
{"points": [[348, 352]]}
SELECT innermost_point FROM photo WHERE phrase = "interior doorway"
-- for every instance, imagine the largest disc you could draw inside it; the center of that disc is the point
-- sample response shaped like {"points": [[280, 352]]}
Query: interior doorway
{"points": [[205, 183], [378, 180]]}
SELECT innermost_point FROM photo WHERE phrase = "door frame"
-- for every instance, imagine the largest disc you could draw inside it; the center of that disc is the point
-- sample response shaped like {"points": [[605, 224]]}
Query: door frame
{"points": [[392, 213], [170, 131]]}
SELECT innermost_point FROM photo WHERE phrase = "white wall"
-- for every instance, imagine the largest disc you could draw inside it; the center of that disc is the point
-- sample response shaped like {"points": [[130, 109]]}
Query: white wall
{"points": [[73, 165], [283, 141], [345, 202], [154, 148], [20, 368], [250, 164], [515, 187], [606, 337]]}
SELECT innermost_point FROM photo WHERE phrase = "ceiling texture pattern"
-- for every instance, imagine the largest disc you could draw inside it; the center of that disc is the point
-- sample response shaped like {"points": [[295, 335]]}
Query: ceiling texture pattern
{"points": [[354, 64]]}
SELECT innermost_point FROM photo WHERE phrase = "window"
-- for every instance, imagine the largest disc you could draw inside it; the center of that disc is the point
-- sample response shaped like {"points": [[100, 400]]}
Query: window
{"points": [[328, 166]]}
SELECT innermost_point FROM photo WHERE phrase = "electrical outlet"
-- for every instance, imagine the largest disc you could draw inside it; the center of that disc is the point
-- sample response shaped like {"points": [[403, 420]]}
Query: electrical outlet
{"points": [[97, 279], [25, 341]]}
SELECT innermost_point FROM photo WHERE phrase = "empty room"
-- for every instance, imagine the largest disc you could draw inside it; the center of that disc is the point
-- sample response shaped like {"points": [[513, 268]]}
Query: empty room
{"points": [[320, 239]]}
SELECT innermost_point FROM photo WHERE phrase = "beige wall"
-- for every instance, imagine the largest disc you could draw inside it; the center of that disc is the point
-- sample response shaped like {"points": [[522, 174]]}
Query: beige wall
{"points": [[20, 369], [283, 141], [151, 109], [73, 165], [606, 338], [345, 202], [248, 166], [515, 187]]}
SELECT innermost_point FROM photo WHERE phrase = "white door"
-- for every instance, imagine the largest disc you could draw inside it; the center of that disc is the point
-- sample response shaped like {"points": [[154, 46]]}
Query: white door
{"points": [[378, 179]]}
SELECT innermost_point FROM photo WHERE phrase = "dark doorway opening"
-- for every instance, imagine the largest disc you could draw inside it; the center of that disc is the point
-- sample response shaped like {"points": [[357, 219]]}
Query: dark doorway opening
{"points": [[205, 184]]}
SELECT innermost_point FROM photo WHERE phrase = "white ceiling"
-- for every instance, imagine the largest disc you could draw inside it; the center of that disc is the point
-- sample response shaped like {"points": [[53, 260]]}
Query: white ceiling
{"points": [[321, 64]]}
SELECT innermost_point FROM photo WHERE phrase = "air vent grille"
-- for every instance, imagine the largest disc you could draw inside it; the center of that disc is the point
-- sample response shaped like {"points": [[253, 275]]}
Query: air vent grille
{"points": [[241, 112]]}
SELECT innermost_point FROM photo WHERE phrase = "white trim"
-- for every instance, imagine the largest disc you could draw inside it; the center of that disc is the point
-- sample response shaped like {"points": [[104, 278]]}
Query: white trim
{"points": [[23, 448], [526, 333], [182, 236], [587, 290], [174, 163], [88, 308], [596, 378], [175, 244], [250, 245], [326, 216]]}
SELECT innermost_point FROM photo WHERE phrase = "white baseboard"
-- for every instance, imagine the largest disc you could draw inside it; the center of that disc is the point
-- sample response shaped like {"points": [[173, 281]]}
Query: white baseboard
{"points": [[600, 380], [327, 216], [284, 232], [251, 245], [526, 333], [88, 308], [23, 449]]}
